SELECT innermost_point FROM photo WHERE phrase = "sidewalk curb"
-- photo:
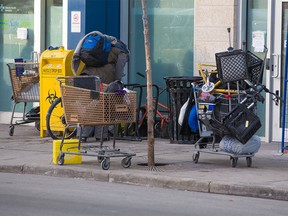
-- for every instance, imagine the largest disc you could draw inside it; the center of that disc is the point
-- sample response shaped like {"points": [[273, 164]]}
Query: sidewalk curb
{"points": [[249, 191], [160, 181], [152, 181]]}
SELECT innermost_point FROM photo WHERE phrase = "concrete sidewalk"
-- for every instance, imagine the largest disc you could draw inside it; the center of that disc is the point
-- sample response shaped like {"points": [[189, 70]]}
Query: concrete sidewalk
{"points": [[27, 153]]}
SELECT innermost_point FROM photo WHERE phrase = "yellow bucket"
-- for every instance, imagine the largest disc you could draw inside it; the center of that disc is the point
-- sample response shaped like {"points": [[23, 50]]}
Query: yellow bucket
{"points": [[69, 146]]}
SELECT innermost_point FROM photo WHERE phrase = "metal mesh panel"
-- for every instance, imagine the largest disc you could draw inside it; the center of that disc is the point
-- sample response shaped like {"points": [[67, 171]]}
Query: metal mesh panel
{"points": [[88, 107], [25, 87]]}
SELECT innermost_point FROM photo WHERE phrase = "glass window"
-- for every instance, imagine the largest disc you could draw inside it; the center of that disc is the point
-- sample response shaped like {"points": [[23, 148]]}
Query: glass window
{"points": [[54, 22], [257, 21], [14, 15], [171, 31]]}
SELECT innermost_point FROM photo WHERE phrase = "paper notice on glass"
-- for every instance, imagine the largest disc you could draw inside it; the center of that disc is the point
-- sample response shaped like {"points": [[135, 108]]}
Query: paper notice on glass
{"points": [[76, 21], [258, 41], [22, 33]]}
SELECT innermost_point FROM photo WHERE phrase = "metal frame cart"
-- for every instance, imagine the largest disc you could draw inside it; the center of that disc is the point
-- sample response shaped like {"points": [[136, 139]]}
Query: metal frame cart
{"points": [[25, 86], [209, 128], [85, 107], [228, 116]]}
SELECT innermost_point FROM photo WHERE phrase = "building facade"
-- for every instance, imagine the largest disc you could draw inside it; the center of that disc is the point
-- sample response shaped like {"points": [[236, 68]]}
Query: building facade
{"points": [[183, 34]]}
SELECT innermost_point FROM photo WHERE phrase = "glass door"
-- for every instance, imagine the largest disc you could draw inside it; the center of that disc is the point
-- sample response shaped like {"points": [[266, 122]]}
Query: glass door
{"points": [[278, 44]]}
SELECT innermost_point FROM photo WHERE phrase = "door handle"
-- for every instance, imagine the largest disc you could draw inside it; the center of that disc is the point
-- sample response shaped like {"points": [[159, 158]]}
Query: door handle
{"points": [[276, 98], [276, 66]]}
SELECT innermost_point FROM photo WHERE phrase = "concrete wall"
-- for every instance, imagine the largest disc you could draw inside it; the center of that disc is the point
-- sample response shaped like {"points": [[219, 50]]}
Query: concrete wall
{"points": [[212, 18]]}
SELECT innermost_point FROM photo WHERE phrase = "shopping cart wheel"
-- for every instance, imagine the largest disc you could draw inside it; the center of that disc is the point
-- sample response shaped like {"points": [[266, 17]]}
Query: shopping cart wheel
{"points": [[11, 130], [105, 164], [101, 158], [249, 161], [126, 162], [60, 159], [233, 161], [196, 157]]}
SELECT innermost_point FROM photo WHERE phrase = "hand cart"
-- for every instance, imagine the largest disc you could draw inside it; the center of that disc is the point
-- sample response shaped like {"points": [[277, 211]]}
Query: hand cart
{"points": [[24, 78], [85, 107]]}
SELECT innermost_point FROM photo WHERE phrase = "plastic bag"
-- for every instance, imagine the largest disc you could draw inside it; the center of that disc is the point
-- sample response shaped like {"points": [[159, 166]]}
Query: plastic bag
{"points": [[193, 119], [182, 112], [232, 145]]}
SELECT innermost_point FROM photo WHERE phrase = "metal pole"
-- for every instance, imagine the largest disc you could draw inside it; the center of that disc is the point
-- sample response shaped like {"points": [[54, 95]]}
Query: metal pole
{"points": [[284, 97]]}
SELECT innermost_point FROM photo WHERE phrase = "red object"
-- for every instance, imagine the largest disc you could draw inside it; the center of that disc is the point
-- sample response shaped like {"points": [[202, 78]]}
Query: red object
{"points": [[228, 96]]}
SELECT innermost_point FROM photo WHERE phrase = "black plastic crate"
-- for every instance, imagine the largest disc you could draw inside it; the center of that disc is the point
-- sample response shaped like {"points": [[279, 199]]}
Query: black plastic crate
{"points": [[232, 66], [222, 104], [242, 123], [87, 82], [255, 68]]}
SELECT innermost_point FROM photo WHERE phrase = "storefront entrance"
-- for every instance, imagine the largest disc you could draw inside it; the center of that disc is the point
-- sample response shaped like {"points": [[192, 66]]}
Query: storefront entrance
{"points": [[278, 52]]}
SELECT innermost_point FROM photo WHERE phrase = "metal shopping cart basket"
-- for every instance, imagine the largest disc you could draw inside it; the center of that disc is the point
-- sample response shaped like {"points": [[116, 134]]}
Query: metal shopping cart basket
{"points": [[85, 107], [25, 86]]}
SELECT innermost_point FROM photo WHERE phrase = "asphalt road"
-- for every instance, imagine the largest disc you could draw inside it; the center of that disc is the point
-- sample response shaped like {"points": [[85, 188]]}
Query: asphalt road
{"points": [[22, 195]]}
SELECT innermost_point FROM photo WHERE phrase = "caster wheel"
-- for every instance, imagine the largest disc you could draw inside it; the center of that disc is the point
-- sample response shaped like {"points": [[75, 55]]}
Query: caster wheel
{"points": [[126, 162], [60, 159], [100, 158], [11, 131], [233, 161], [105, 164], [196, 157], [249, 161]]}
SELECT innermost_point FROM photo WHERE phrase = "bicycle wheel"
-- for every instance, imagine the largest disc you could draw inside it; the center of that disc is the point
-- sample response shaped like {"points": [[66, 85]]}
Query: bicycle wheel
{"points": [[56, 123]]}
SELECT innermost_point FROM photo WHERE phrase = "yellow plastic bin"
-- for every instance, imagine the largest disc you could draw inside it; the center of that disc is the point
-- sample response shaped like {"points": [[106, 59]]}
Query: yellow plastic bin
{"points": [[69, 146], [53, 63]]}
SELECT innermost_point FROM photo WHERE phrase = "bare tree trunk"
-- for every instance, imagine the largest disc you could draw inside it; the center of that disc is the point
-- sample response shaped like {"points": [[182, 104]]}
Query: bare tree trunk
{"points": [[150, 121]]}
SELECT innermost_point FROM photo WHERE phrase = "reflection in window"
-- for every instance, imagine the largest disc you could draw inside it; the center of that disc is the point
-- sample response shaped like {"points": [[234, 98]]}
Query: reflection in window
{"points": [[171, 26], [13, 16], [54, 22], [257, 21]]}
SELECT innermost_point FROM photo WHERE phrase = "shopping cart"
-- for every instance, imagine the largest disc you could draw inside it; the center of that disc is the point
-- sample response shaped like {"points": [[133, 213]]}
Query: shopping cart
{"points": [[234, 116], [85, 107], [25, 86], [213, 126], [233, 112]]}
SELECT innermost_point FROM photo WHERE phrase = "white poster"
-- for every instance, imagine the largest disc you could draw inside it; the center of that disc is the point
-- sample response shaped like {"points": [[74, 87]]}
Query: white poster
{"points": [[22, 33], [258, 41], [76, 21]]}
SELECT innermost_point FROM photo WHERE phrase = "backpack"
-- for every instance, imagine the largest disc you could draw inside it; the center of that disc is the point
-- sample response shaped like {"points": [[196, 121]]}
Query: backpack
{"points": [[121, 46], [95, 50]]}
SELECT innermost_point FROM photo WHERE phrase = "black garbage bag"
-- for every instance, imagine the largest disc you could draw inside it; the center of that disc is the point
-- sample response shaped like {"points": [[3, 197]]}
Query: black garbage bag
{"points": [[33, 113]]}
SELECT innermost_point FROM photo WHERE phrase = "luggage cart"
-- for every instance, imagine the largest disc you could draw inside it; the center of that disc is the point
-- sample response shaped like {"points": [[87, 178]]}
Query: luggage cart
{"points": [[24, 78], [85, 107]]}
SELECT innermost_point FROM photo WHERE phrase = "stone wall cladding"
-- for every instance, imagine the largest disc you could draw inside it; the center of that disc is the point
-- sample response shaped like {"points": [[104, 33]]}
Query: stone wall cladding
{"points": [[212, 18]]}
